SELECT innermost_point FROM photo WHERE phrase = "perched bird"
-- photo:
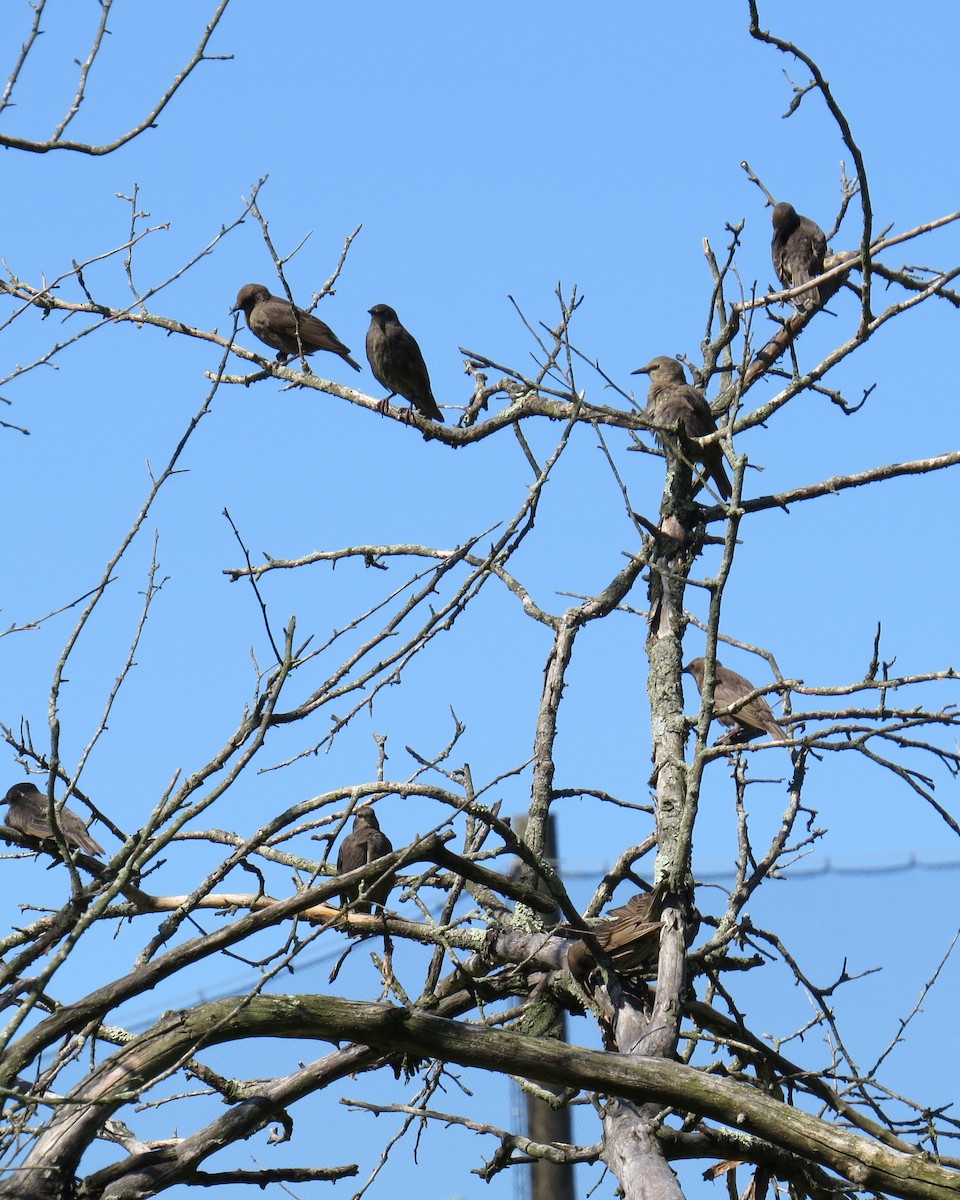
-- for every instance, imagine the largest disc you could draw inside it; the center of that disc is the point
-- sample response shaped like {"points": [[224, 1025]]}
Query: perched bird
{"points": [[365, 844], [753, 719], [798, 247], [396, 361], [671, 400], [28, 814], [286, 328], [629, 936]]}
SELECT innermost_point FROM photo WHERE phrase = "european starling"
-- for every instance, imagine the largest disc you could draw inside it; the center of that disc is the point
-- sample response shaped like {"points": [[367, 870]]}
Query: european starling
{"points": [[671, 400], [798, 247], [28, 814], [365, 844], [753, 719], [629, 936], [279, 324], [396, 361]]}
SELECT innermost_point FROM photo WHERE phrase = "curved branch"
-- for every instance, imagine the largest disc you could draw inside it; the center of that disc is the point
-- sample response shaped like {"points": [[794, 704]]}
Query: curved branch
{"points": [[399, 1030]]}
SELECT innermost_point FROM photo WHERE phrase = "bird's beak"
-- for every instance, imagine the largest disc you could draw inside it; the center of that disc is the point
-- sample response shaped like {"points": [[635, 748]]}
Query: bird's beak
{"points": [[641, 371]]}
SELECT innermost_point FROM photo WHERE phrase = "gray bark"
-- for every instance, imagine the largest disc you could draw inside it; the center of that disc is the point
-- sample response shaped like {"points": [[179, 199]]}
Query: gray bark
{"points": [[639, 1080]]}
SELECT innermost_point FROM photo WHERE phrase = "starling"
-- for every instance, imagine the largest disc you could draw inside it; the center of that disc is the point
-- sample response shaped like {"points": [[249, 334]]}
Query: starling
{"points": [[671, 400], [629, 936], [798, 247], [365, 844], [28, 814], [753, 719], [396, 361], [284, 327]]}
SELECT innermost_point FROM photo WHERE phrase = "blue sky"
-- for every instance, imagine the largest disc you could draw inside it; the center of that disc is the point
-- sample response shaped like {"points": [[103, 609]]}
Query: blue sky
{"points": [[488, 152]]}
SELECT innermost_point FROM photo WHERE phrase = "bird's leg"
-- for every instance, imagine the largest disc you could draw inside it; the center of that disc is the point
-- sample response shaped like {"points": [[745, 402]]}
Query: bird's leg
{"points": [[384, 405]]}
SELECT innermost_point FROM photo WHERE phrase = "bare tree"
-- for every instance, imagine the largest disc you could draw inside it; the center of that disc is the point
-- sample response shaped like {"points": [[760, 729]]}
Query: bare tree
{"points": [[480, 978]]}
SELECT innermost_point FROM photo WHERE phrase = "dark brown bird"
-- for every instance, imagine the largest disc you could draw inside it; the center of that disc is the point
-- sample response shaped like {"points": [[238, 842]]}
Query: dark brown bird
{"points": [[629, 936], [396, 361], [286, 328], [28, 814], [671, 400], [365, 844], [753, 719], [798, 247]]}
